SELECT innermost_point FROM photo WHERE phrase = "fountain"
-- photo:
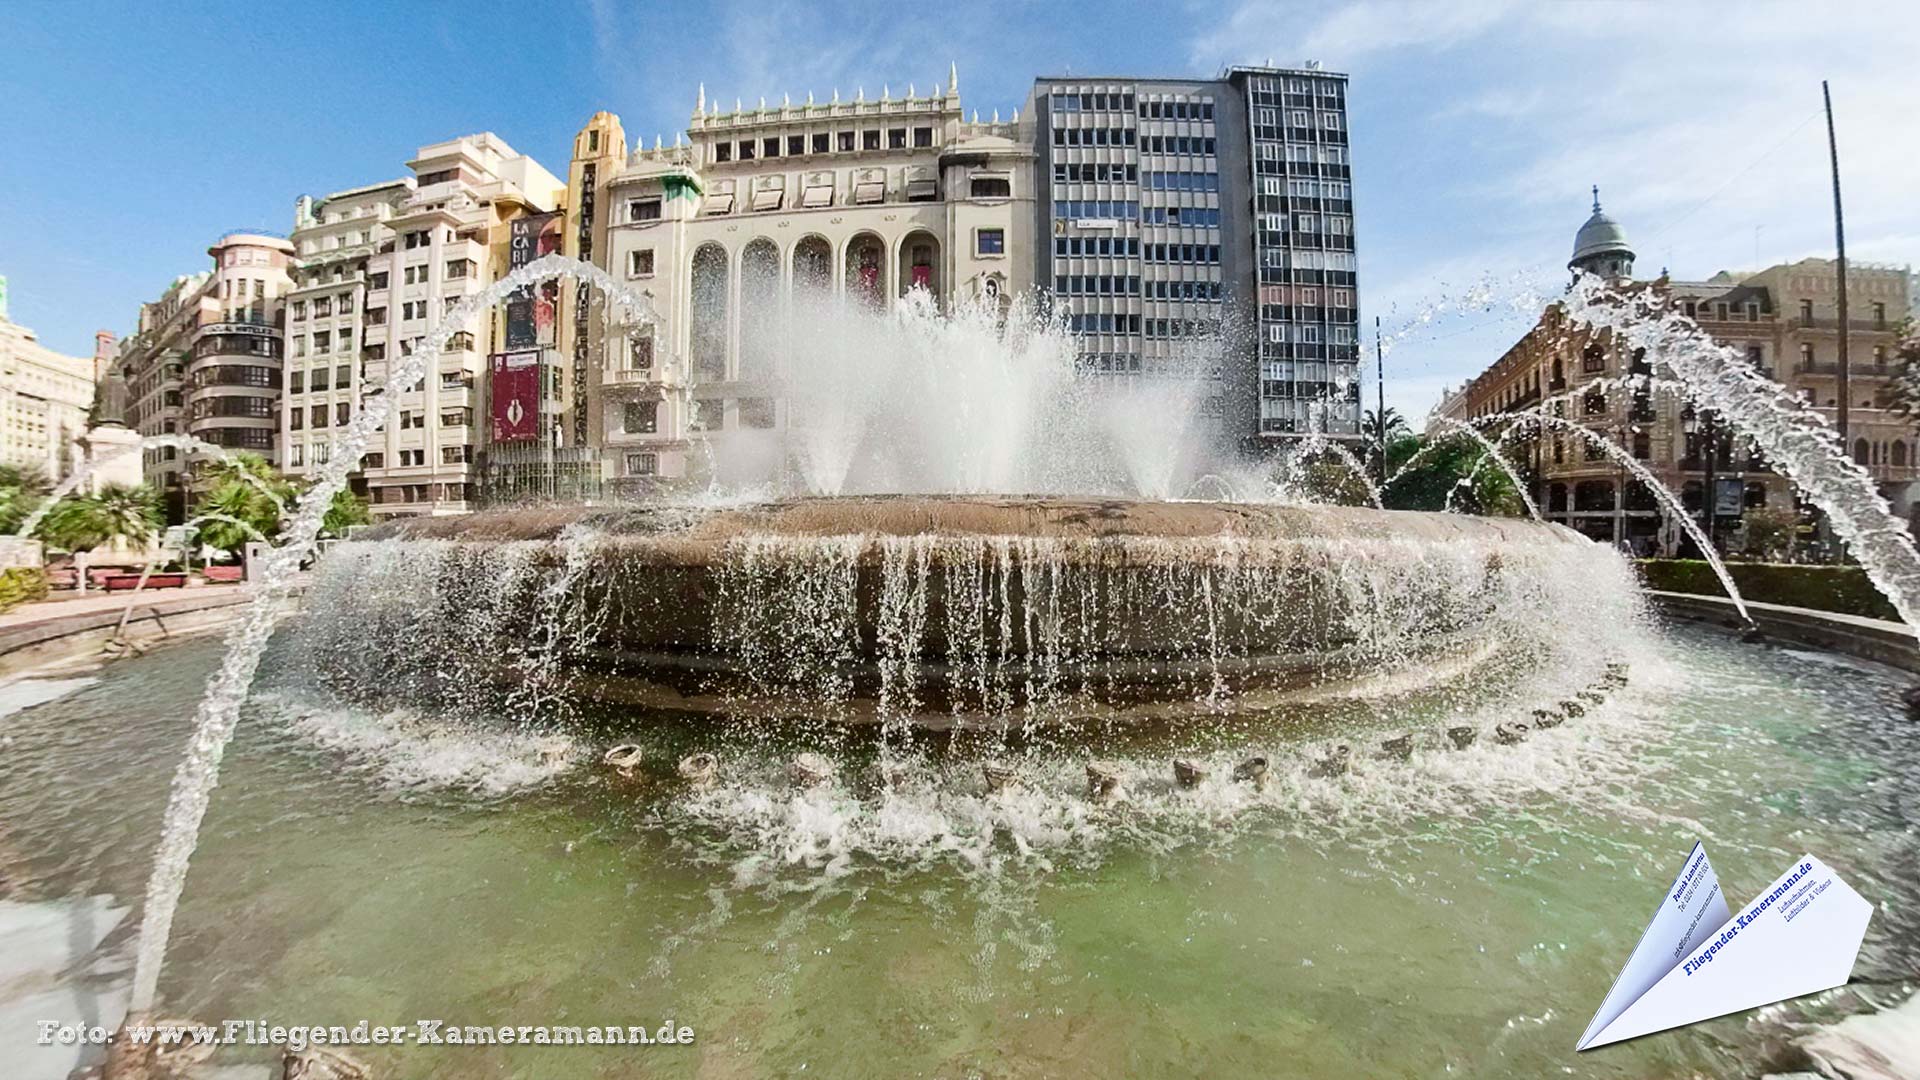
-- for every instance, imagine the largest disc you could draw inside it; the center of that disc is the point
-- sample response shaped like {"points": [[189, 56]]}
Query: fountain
{"points": [[963, 635]]}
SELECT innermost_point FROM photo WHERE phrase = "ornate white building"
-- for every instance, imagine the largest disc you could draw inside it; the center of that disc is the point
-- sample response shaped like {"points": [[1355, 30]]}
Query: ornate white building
{"points": [[759, 208]]}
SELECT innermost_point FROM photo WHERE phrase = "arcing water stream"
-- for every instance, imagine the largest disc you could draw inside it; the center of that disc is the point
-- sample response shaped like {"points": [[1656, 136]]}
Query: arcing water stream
{"points": [[199, 770]]}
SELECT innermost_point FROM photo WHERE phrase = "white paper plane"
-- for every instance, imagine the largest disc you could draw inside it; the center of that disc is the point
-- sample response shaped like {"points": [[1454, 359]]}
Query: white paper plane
{"points": [[1696, 961]]}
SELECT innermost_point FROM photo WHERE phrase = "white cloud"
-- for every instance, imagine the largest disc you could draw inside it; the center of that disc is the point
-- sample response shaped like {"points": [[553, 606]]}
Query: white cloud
{"points": [[1478, 128]]}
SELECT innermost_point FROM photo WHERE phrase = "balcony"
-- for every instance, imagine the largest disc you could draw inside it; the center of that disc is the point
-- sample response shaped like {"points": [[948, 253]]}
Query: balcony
{"points": [[1861, 325]]}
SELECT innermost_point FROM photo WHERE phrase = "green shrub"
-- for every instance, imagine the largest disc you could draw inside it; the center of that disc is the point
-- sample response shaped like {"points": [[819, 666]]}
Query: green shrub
{"points": [[20, 584], [1844, 589]]}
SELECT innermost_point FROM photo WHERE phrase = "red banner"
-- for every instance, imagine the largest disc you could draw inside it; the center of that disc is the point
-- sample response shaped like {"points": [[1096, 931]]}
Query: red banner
{"points": [[516, 396]]}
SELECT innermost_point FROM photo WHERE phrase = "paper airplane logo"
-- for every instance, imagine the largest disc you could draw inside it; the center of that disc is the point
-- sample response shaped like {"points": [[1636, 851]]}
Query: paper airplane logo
{"points": [[1697, 961]]}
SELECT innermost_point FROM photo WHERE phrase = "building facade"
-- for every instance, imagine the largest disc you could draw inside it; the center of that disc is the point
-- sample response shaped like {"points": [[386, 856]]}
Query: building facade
{"points": [[44, 399], [1782, 320], [1208, 222], [205, 361], [379, 268], [862, 199]]}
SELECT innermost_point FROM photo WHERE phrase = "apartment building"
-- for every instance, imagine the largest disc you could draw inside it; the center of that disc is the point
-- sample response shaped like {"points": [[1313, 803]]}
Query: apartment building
{"points": [[379, 268], [1782, 319], [866, 198], [1207, 222], [44, 398], [205, 360]]}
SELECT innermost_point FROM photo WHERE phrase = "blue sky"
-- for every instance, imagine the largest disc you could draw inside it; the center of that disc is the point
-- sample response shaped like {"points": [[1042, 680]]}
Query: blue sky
{"points": [[132, 136]]}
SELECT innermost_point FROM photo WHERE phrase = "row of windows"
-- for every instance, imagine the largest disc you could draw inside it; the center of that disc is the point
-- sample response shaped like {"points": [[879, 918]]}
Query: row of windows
{"points": [[1181, 181], [1182, 253], [1178, 144], [1095, 208], [821, 142], [1095, 172], [1302, 155], [317, 416], [1123, 136], [1103, 323], [1095, 246], [1182, 328], [236, 345], [236, 375], [1096, 285], [261, 407], [1200, 217]]}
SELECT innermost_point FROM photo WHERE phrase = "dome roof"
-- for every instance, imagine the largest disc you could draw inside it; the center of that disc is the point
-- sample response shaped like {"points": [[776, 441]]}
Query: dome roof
{"points": [[1601, 235]]}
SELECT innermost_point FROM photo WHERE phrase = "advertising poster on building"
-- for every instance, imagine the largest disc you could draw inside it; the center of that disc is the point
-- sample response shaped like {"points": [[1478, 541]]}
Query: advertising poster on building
{"points": [[516, 396], [1727, 500], [530, 312]]}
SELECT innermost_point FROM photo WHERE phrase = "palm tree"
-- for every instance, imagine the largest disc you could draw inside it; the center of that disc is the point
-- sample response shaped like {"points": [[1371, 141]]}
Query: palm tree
{"points": [[243, 488], [21, 493], [115, 513], [1379, 433]]}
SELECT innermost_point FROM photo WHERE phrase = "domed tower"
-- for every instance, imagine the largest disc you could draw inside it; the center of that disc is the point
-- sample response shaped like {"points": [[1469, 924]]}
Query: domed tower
{"points": [[1600, 247]]}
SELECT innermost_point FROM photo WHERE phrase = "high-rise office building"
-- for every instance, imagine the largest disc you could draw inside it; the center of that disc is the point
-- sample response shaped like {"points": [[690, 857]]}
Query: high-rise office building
{"points": [[1204, 228]]}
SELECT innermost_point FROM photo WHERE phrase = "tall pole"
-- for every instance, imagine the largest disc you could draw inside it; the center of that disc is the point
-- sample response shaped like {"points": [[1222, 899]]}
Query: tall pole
{"points": [[1840, 248], [1380, 395]]}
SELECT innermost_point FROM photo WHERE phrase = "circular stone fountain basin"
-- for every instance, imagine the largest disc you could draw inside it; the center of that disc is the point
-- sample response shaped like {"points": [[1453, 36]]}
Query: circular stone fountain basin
{"points": [[937, 606]]}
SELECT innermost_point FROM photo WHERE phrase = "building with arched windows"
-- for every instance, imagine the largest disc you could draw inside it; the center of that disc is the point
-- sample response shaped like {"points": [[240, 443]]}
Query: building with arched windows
{"points": [[756, 208], [1783, 320]]}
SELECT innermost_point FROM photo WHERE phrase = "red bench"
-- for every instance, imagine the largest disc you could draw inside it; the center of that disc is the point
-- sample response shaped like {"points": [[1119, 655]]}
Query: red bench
{"points": [[128, 582], [223, 573]]}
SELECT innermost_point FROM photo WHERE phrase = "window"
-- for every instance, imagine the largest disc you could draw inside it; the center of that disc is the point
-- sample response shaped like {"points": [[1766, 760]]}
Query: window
{"points": [[990, 187], [1806, 357], [640, 417], [640, 263], [317, 416], [296, 419], [455, 455], [299, 309], [377, 316], [870, 139], [1879, 316], [723, 151], [295, 382], [460, 417], [756, 412], [822, 142], [341, 414], [897, 139], [643, 464], [770, 146], [343, 376], [990, 242], [296, 454], [746, 150], [796, 145], [922, 136], [845, 141], [640, 356], [1806, 311]]}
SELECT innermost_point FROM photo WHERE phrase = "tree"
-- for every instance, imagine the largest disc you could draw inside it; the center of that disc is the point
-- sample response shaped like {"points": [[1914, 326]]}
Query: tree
{"points": [[244, 489], [1439, 477], [115, 513], [1380, 429], [238, 489], [21, 493], [345, 511]]}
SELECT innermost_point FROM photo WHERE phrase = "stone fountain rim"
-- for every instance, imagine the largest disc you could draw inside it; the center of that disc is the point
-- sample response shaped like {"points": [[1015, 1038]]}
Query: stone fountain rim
{"points": [[977, 516]]}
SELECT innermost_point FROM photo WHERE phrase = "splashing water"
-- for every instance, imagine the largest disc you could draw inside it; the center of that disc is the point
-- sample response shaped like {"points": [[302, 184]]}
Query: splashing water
{"points": [[1795, 437], [199, 771], [971, 400], [178, 441], [1491, 450]]}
